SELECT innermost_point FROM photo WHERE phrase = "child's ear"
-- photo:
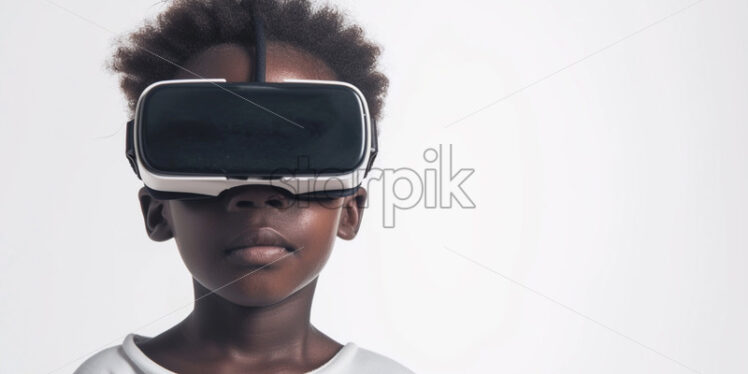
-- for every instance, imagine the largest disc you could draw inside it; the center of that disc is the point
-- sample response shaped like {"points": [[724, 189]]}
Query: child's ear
{"points": [[154, 215], [353, 211]]}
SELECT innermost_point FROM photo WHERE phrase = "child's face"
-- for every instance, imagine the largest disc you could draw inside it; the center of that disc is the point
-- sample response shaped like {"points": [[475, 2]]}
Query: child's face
{"points": [[205, 229]]}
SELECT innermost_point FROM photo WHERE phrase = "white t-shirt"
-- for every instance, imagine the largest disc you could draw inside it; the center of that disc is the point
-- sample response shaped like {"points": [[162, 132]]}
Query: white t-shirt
{"points": [[127, 358]]}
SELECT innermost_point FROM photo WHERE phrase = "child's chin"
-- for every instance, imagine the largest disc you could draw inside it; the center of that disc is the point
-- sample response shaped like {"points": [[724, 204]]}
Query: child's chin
{"points": [[256, 294]]}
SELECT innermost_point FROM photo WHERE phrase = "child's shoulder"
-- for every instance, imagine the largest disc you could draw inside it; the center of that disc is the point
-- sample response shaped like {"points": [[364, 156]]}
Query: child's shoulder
{"points": [[354, 358], [110, 360], [121, 359]]}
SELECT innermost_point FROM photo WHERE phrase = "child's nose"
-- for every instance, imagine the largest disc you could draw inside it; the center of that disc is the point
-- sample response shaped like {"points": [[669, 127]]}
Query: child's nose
{"points": [[252, 196]]}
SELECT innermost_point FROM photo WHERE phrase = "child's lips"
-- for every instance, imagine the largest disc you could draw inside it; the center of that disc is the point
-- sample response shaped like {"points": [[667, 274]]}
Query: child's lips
{"points": [[257, 247], [257, 255]]}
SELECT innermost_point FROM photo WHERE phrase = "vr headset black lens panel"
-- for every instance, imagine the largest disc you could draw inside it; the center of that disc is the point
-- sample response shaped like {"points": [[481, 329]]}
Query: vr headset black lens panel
{"points": [[251, 130]]}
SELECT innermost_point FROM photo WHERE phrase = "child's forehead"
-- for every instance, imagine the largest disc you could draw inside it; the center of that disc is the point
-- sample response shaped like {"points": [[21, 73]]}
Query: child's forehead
{"points": [[233, 62]]}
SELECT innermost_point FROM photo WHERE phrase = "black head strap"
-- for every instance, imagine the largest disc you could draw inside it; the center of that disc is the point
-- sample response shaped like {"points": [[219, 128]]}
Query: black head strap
{"points": [[259, 26], [374, 147], [130, 147]]}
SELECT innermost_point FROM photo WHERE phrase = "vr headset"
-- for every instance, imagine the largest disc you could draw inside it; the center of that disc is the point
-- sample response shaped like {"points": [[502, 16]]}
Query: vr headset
{"points": [[194, 138]]}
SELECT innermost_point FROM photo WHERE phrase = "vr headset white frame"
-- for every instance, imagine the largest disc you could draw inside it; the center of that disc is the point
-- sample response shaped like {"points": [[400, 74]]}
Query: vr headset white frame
{"points": [[194, 187]]}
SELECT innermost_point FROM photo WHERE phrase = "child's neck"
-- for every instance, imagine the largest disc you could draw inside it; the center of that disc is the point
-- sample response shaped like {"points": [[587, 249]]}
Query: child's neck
{"points": [[217, 323], [221, 335]]}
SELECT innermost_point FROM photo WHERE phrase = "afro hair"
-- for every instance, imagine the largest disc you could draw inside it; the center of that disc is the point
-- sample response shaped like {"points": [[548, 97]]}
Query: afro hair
{"points": [[187, 27]]}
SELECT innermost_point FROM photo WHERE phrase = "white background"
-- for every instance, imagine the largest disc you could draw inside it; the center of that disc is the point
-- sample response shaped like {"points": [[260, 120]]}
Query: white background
{"points": [[611, 195]]}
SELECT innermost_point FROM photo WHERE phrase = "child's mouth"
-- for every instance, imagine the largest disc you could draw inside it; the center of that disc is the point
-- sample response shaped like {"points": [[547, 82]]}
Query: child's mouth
{"points": [[257, 255], [258, 247]]}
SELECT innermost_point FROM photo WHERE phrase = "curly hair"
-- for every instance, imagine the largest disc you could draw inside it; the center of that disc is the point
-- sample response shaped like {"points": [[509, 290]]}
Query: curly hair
{"points": [[187, 27]]}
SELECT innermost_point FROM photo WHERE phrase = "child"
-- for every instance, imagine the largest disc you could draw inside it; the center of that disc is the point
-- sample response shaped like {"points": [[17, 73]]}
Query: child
{"points": [[256, 322]]}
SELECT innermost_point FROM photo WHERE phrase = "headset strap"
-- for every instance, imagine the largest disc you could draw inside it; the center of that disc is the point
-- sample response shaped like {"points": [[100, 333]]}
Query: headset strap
{"points": [[130, 147]]}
